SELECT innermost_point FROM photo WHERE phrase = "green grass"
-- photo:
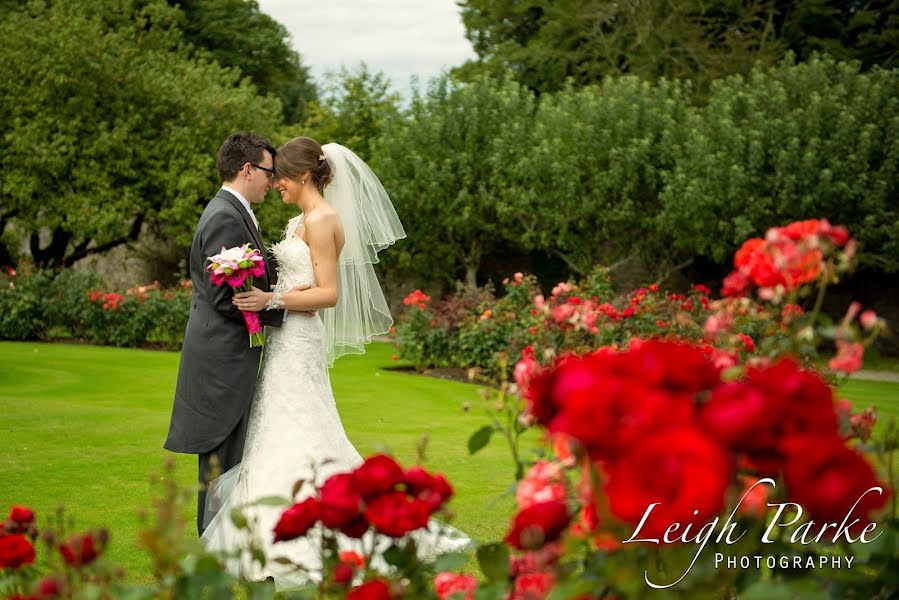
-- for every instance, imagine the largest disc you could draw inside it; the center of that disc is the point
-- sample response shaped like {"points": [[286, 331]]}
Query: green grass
{"points": [[877, 362], [84, 426], [883, 395]]}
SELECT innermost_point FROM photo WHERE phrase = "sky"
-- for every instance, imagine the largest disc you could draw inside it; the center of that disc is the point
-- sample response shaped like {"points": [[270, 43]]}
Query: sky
{"points": [[399, 37]]}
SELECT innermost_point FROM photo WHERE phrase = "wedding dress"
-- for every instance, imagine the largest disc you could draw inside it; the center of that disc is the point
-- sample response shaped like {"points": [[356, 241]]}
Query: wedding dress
{"points": [[294, 433]]}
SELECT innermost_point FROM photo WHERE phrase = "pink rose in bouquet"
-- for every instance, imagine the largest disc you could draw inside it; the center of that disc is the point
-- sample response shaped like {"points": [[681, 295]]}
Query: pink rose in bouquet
{"points": [[237, 267]]}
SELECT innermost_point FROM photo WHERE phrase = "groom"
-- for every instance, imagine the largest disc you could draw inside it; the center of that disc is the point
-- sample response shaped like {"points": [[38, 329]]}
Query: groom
{"points": [[217, 375]]}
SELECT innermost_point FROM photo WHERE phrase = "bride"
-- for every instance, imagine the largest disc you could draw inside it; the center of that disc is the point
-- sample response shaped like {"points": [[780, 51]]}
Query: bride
{"points": [[294, 431]]}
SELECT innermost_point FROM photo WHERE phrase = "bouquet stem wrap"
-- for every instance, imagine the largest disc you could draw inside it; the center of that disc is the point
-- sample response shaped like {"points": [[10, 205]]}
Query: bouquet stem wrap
{"points": [[254, 325]]}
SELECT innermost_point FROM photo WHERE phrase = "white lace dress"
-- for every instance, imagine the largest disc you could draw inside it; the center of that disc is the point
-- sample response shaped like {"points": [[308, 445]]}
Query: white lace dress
{"points": [[294, 432]]}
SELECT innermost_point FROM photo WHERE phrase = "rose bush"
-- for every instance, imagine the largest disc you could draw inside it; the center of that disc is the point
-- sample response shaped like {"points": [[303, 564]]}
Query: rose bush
{"points": [[46, 305], [661, 438]]}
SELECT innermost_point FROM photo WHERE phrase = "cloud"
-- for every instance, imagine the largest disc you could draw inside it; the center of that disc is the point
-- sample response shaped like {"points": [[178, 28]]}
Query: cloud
{"points": [[399, 37]]}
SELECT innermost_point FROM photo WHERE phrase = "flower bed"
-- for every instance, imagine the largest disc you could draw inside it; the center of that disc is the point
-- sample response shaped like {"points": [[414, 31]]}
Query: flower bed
{"points": [[715, 462], [47, 305]]}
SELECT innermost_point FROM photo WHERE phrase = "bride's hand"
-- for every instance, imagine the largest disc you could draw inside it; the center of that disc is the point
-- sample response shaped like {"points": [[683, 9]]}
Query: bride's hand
{"points": [[252, 301]]}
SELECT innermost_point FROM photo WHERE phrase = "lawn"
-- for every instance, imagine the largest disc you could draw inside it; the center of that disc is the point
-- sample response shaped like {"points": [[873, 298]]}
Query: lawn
{"points": [[84, 426]]}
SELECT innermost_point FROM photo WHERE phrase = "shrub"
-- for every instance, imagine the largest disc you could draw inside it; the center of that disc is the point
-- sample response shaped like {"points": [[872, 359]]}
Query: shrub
{"points": [[57, 305]]}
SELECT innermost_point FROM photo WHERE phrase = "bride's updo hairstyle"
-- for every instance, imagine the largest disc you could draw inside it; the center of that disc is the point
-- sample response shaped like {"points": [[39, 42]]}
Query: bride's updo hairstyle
{"points": [[303, 154]]}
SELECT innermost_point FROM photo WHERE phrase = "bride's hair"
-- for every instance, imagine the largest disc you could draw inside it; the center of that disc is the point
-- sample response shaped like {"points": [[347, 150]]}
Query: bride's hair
{"points": [[303, 154]]}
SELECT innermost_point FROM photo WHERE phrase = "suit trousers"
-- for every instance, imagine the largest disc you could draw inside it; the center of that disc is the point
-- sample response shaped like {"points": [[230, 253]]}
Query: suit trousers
{"points": [[218, 461]]}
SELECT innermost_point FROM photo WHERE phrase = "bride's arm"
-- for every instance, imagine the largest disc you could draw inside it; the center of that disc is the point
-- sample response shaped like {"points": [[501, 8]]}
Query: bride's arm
{"points": [[321, 236], [321, 239]]}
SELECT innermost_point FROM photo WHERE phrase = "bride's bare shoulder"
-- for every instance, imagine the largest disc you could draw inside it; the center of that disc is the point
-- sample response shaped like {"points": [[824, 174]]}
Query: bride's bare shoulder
{"points": [[323, 217]]}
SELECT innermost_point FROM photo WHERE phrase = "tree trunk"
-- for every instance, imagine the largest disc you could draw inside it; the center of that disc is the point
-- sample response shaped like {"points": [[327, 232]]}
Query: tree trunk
{"points": [[472, 262], [471, 276], [81, 250], [52, 254], [59, 254], [6, 257]]}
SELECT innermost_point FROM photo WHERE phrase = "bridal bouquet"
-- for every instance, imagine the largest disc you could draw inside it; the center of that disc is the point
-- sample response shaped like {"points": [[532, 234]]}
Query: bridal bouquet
{"points": [[237, 266]]}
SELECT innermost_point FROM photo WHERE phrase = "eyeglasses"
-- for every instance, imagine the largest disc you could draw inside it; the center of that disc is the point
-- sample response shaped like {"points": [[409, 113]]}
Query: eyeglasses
{"points": [[271, 172]]}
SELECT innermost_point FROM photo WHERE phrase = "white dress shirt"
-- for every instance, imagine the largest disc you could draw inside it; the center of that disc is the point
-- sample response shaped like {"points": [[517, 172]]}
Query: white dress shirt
{"points": [[243, 201]]}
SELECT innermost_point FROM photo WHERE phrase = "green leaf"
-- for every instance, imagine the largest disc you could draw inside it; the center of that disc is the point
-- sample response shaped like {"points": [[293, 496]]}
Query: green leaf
{"points": [[259, 556], [495, 591], [451, 561], [262, 590], [399, 556], [480, 438], [238, 518], [494, 561], [271, 501]]}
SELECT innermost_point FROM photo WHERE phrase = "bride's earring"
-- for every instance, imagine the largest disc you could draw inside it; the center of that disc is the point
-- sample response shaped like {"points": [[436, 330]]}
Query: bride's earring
{"points": [[302, 182]]}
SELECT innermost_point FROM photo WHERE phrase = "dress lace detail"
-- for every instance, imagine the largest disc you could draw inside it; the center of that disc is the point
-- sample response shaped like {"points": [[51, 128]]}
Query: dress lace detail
{"points": [[294, 432]]}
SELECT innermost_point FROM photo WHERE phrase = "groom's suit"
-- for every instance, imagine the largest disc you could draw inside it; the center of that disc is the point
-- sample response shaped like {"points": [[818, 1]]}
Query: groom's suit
{"points": [[217, 374]]}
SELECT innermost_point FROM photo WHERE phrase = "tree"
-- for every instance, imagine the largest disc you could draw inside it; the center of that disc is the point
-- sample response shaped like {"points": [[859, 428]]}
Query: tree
{"points": [[109, 124], [817, 139], [236, 33], [863, 30], [446, 166], [596, 170], [355, 109], [546, 42]]}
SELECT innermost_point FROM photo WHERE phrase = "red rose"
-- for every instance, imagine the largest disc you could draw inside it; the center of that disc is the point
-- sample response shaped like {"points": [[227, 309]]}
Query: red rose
{"points": [[838, 234], [785, 257], [50, 586], [15, 551], [735, 285], [681, 469], [755, 498], [297, 520], [532, 586], [775, 402], [355, 528], [805, 230], [827, 478], [609, 400], [376, 589], [848, 358], [800, 230], [377, 475], [21, 514], [395, 514], [343, 574], [544, 481], [433, 490], [538, 524], [450, 586], [672, 366], [526, 369], [352, 558], [538, 561], [548, 390], [807, 400], [743, 416], [340, 502], [80, 549]]}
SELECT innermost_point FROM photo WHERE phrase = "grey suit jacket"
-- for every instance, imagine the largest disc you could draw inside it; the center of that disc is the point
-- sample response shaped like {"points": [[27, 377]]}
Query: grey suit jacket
{"points": [[217, 374]]}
